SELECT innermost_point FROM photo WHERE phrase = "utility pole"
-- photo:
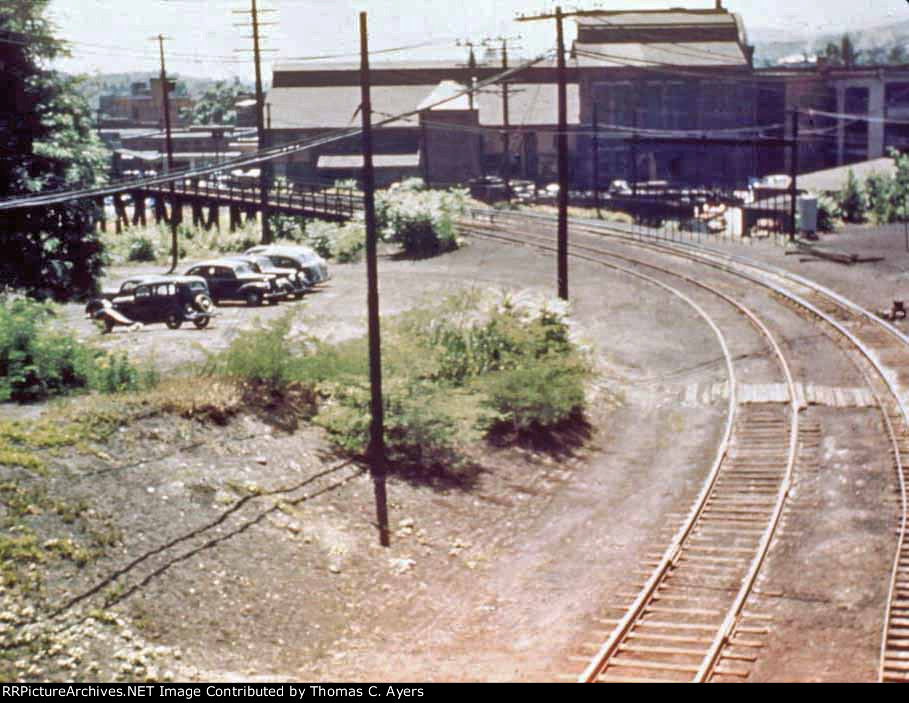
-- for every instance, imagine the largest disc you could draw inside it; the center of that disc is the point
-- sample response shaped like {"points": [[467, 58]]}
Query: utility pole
{"points": [[264, 167], [471, 65], [376, 450], [562, 141], [596, 160], [169, 146], [506, 127], [506, 122], [793, 174]]}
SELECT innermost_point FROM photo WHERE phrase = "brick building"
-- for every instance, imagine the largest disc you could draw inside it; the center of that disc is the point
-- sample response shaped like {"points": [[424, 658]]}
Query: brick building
{"points": [[143, 107]]}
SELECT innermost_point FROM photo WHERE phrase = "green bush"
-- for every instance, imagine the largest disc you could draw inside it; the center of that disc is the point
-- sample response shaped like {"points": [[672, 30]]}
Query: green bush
{"points": [[851, 200], [417, 427], [879, 194], [114, 373], [504, 341], [288, 227], [38, 360], [342, 242], [827, 214], [452, 373], [141, 249], [421, 221], [264, 355], [536, 395]]}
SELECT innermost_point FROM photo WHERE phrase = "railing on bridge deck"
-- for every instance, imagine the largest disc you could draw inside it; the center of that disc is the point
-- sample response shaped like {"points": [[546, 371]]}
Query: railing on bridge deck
{"points": [[303, 198]]}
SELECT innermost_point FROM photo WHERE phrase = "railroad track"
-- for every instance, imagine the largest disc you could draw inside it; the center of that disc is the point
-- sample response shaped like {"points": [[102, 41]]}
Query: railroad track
{"points": [[665, 631]]}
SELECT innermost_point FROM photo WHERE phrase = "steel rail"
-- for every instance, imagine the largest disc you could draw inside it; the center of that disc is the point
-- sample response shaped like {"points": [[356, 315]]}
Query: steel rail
{"points": [[635, 612], [725, 261]]}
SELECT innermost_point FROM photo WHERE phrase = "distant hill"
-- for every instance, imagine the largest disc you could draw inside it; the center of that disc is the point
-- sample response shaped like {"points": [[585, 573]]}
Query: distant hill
{"points": [[95, 85], [773, 45]]}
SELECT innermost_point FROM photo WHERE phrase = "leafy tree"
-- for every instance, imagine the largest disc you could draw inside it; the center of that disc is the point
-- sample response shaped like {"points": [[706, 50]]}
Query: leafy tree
{"points": [[851, 200], [218, 104], [897, 55], [842, 54], [47, 142]]}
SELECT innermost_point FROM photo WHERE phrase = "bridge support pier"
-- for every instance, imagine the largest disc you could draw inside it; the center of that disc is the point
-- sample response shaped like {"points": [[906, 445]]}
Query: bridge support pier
{"points": [[102, 215], [234, 217], [251, 214], [139, 216], [120, 211], [176, 211], [196, 206], [214, 216], [160, 210]]}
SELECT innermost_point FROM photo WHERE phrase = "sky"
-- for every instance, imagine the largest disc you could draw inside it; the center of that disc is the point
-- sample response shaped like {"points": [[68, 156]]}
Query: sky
{"points": [[115, 36]]}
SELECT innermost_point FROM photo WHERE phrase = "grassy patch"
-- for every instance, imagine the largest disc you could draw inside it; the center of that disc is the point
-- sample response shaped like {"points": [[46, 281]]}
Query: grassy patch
{"points": [[453, 373], [39, 358]]}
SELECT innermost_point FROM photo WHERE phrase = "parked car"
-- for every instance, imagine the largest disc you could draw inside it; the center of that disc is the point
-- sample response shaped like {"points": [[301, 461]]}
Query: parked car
{"points": [[128, 286], [292, 281], [299, 258], [229, 279], [172, 300]]}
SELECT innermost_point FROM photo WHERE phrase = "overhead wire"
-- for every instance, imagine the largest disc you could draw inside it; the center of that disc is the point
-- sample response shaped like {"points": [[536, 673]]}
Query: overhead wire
{"points": [[258, 157]]}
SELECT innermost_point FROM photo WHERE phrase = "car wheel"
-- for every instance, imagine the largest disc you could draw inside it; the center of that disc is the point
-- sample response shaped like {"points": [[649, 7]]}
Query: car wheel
{"points": [[201, 322], [204, 303], [174, 321], [254, 298]]}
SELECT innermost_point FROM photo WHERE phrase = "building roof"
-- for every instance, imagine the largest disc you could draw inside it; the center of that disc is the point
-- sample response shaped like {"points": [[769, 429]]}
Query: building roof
{"points": [[654, 18], [528, 104], [834, 179], [446, 90], [336, 107], [637, 55], [352, 161]]}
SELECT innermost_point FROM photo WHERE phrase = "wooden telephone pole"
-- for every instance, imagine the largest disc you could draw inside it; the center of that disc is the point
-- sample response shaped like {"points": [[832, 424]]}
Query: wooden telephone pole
{"points": [[265, 167], [506, 122], [562, 141], [376, 449], [169, 146]]}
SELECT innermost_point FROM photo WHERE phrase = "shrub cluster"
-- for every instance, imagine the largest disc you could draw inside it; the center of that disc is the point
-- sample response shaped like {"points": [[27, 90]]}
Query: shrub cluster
{"points": [[882, 198], [39, 359], [452, 373], [420, 220]]}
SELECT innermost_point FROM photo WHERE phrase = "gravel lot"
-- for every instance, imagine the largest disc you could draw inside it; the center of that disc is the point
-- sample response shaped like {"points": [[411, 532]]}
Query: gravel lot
{"points": [[498, 575]]}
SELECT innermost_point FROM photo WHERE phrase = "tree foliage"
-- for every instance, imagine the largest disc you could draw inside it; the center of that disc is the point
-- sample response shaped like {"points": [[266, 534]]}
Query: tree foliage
{"points": [[218, 104], [47, 142]]}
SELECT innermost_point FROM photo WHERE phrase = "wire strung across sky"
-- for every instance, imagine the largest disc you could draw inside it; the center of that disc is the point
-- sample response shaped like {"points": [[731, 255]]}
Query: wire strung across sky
{"points": [[253, 159]]}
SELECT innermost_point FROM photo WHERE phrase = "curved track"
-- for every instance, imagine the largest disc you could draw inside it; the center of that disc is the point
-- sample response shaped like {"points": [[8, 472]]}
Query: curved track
{"points": [[672, 643]]}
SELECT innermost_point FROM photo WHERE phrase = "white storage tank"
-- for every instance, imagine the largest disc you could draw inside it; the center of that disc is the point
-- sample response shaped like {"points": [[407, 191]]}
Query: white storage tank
{"points": [[807, 211]]}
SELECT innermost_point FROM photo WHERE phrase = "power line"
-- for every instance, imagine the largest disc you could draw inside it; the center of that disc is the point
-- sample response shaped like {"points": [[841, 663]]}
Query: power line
{"points": [[258, 157]]}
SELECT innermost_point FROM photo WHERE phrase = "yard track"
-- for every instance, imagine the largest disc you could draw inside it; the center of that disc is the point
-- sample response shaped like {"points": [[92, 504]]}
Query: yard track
{"points": [[678, 626]]}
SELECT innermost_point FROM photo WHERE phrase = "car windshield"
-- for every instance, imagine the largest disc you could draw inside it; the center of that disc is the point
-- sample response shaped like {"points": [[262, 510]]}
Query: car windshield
{"points": [[243, 268]]}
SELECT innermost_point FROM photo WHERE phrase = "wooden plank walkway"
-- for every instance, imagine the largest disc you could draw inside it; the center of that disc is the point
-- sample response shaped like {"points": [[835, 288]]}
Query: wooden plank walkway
{"points": [[696, 394]]}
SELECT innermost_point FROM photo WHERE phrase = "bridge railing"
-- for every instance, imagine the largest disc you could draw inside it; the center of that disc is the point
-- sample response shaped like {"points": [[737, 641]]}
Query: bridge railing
{"points": [[343, 202]]}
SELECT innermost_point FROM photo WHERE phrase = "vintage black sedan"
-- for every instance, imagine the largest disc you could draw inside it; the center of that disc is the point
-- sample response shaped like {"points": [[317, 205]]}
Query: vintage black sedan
{"points": [[229, 279], [292, 281], [172, 300]]}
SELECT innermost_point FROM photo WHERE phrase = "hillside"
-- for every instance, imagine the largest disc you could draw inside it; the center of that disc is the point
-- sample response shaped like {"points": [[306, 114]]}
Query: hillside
{"points": [[98, 84], [773, 45]]}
